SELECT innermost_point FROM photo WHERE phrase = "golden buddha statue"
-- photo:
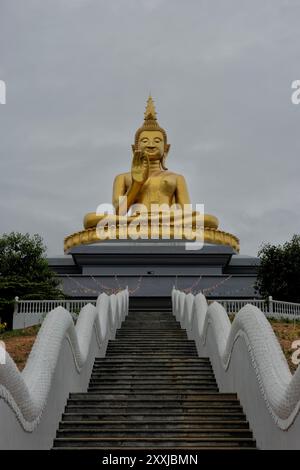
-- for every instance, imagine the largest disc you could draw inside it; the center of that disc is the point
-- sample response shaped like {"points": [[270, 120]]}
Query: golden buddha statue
{"points": [[149, 181], [149, 184]]}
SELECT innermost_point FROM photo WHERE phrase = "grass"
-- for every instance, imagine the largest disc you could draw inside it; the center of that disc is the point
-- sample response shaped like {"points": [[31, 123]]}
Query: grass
{"points": [[18, 343], [286, 332], [31, 330]]}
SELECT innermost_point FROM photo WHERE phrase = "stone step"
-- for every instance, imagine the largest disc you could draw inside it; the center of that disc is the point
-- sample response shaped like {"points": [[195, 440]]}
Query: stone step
{"points": [[159, 351], [146, 309], [145, 325], [167, 424], [155, 443], [136, 390], [149, 348], [161, 327], [151, 329], [155, 380], [154, 414], [154, 354], [148, 353], [150, 316], [206, 398], [127, 379], [162, 433], [142, 384], [151, 341], [147, 407], [183, 360], [159, 333], [137, 387], [155, 377], [152, 311], [148, 357], [163, 369], [148, 323], [142, 373], [168, 335], [156, 361], [157, 339], [173, 328], [140, 347], [152, 402], [151, 344], [151, 337], [152, 380], [152, 371], [147, 393]]}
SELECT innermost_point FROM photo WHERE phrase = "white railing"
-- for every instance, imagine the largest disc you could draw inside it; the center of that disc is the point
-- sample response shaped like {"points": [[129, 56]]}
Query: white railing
{"points": [[284, 309], [233, 306], [271, 308], [32, 312]]}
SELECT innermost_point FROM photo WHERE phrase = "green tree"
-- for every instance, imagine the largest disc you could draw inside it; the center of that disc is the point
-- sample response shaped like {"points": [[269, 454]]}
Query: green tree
{"points": [[24, 272], [279, 271]]}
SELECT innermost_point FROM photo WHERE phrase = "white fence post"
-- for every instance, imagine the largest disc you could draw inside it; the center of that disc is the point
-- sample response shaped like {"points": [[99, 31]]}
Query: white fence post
{"points": [[16, 305], [270, 300]]}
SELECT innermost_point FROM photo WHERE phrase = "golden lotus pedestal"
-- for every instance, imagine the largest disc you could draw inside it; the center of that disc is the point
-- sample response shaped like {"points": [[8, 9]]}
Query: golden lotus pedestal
{"points": [[113, 227]]}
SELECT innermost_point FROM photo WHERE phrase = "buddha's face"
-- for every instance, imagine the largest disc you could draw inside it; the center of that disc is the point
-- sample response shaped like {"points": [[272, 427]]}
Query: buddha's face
{"points": [[151, 143]]}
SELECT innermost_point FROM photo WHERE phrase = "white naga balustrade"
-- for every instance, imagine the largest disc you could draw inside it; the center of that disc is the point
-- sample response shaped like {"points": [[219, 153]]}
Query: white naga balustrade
{"points": [[247, 359], [60, 362]]}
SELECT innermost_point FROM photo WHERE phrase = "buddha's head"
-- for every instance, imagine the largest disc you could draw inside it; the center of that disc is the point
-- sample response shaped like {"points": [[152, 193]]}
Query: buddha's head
{"points": [[150, 138]]}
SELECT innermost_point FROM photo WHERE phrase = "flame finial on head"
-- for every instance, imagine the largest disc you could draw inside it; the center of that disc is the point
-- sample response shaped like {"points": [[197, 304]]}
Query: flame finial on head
{"points": [[150, 113], [150, 122]]}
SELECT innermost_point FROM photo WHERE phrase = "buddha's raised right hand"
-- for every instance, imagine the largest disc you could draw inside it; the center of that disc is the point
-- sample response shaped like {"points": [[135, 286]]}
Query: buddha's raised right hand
{"points": [[139, 167]]}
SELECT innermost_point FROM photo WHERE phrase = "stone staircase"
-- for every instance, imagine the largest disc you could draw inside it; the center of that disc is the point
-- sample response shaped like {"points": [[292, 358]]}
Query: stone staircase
{"points": [[153, 391]]}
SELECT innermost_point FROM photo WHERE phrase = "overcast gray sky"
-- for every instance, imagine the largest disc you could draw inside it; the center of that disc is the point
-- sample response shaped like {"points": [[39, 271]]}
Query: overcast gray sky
{"points": [[78, 73]]}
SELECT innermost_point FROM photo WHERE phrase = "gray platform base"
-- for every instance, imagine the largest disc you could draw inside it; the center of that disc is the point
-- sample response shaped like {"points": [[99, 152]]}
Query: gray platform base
{"points": [[152, 268]]}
